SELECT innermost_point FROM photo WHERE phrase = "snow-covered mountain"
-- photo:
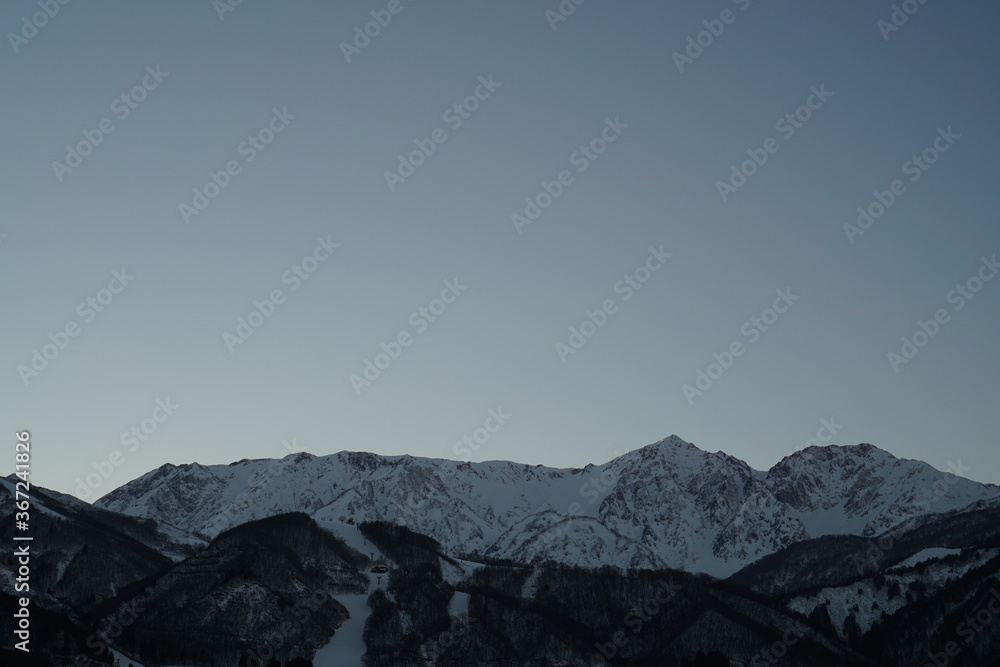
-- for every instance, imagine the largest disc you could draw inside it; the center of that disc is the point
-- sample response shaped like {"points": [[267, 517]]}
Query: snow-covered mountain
{"points": [[667, 504]]}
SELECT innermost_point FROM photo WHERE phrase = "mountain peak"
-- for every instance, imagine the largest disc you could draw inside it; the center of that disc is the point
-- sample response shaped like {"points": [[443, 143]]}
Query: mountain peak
{"points": [[672, 442], [863, 450]]}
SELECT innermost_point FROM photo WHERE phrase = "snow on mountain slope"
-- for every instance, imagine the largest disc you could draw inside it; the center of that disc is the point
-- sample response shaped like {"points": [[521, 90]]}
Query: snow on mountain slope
{"points": [[700, 511], [871, 599], [573, 540], [347, 646], [668, 503], [863, 490], [921, 556]]}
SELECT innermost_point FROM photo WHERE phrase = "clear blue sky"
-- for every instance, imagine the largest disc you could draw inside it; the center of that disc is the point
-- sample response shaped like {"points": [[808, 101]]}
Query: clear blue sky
{"points": [[267, 92]]}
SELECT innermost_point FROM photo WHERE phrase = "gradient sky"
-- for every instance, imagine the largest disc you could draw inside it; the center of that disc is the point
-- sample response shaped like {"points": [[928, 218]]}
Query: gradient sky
{"points": [[495, 345]]}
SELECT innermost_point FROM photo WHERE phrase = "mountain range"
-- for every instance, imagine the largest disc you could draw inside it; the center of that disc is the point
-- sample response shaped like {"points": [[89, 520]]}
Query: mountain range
{"points": [[666, 555], [668, 504]]}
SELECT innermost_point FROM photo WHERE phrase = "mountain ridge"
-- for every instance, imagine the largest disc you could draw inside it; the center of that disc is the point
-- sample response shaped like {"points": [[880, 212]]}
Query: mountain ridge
{"points": [[668, 503]]}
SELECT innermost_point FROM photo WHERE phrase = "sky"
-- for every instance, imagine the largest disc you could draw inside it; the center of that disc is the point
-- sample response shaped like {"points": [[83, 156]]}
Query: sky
{"points": [[533, 231]]}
